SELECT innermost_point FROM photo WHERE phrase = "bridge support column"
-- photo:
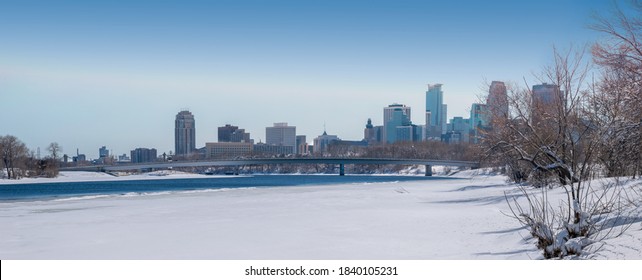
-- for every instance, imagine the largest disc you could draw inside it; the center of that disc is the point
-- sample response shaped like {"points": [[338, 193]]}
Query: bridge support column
{"points": [[342, 170], [428, 170]]}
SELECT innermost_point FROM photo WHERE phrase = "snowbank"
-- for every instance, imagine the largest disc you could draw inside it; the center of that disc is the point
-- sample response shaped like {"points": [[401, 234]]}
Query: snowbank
{"points": [[84, 176]]}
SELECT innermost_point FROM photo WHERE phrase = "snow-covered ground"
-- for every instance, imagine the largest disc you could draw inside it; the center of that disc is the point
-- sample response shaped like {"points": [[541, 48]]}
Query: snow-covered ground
{"points": [[84, 176], [437, 219]]}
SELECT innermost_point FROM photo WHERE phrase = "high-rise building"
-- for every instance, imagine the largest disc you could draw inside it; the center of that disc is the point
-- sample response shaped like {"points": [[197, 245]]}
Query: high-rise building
{"points": [[301, 144], [240, 135], [225, 133], [281, 135], [478, 116], [458, 130], [497, 100], [546, 95], [546, 101], [140, 155], [479, 120], [103, 152], [435, 112], [401, 112], [184, 133], [231, 133]]}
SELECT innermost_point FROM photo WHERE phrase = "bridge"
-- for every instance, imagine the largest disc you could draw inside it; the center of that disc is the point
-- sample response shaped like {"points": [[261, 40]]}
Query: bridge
{"points": [[270, 161]]}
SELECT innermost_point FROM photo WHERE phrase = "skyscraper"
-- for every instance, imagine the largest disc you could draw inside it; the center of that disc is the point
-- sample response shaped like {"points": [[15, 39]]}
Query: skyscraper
{"points": [[225, 133], [388, 115], [231, 133], [546, 95], [139, 155], [301, 144], [497, 100], [435, 112], [281, 135], [184, 133], [103, 152], [478, 116], [546, 102]]}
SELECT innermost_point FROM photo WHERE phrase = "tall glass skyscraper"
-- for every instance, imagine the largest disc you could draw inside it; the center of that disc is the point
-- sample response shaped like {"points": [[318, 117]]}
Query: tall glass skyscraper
{"points": [[435, 112], [184, 133], [392, 117]]}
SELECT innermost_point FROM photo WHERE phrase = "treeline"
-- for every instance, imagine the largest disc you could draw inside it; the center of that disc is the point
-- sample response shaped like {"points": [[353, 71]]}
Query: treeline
{"points": [[18, 161]]}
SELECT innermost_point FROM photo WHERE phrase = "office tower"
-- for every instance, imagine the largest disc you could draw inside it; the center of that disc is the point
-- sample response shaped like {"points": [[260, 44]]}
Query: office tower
{"points": [[546, 102], [435, 112], [281, 135], [184, 133], [497, 100], [103, 152], [479, 116], [458, 130], [230, 133], [479, 120], [240, 135], [225, 133], [140, 155], [546, 95], [444, 118], [301, 144], [389, 115], [397, 125]]}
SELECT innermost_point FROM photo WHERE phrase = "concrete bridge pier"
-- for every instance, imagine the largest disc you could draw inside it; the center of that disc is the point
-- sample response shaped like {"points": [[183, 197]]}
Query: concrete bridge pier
{"points": [[342, 170], [428, 170]]}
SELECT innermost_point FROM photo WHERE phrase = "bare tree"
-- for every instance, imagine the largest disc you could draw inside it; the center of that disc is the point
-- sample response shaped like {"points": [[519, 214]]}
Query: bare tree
{"points": [[619, 93], [55, 150], [545, 135], [49, 166], [551, 140], [14, 154]]}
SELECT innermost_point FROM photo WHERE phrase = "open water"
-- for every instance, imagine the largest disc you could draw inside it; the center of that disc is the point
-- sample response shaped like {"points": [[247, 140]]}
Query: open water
{"points": [[48, 191]]}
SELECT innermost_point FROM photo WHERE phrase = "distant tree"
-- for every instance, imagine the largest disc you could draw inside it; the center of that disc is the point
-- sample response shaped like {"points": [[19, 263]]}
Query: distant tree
{"points": [[14, 155], [48, 167], [54, 150]]}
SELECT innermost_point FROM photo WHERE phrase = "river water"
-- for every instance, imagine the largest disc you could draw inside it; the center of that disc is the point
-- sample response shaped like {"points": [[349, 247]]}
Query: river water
{"points": [[48, 191]]}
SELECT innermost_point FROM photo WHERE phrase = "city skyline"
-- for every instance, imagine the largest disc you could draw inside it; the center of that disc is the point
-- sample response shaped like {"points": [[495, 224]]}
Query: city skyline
{"points": [[77, 73]]}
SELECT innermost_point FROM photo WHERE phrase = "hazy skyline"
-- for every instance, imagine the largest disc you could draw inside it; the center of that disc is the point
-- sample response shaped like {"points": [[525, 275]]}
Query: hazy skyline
{"points": [[87, 74]]}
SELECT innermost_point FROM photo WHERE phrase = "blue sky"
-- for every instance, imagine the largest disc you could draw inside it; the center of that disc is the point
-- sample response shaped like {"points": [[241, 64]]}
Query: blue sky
{"points": [[87, 73]]}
